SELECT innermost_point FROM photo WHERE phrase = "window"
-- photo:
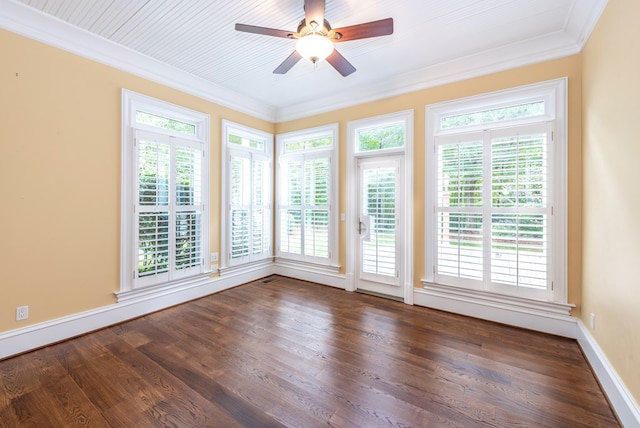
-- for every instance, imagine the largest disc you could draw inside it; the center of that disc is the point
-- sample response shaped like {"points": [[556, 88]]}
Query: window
{"points": [[496, 192], [307, 196], [247, 200], [164, 192]]}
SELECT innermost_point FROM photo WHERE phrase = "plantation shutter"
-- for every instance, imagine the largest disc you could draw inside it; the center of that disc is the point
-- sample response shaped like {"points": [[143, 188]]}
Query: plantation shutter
{"points": [[492, 209], [379, 204], [168, 208], [188, 207], [250, 210], [460, 235], [304, 206], [316, 207], [519, 207]]}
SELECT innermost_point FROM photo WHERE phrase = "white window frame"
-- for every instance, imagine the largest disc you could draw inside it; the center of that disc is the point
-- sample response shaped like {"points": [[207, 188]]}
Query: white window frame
{"points": [[332, 154], [132, 102], [554, 93], [228, 150]]}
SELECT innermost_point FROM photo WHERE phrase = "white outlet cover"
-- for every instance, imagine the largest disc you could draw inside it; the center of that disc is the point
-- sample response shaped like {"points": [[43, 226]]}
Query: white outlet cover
{"points": [[22, 313]]}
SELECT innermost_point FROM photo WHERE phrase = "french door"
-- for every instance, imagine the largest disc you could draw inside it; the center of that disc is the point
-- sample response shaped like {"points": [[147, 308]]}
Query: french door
{"points": [[379, 235]]}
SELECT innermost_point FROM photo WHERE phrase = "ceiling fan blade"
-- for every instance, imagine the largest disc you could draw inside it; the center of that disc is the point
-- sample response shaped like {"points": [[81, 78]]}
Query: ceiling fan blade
{"points": [[288, 63], [265, 31], [340, 63], [314, 11], [383, 27]]}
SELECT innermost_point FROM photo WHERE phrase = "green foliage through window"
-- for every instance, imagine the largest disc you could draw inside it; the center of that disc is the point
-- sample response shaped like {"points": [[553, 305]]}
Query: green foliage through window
{"points": [[165, 123], [381, 137], [315, 143], [493, 115]]}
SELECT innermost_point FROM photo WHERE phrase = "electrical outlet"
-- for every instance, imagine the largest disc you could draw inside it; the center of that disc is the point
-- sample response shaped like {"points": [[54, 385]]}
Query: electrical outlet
{"points": [[22, 313], [214, 257], [592, 321]]}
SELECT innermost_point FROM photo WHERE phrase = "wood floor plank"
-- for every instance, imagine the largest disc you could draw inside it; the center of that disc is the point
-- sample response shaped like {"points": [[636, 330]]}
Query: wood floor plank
{"points": [[282, 352]]}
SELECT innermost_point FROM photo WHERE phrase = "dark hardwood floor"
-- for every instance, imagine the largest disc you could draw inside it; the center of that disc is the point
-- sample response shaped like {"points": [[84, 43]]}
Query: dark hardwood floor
{"points": [[282, 352]]}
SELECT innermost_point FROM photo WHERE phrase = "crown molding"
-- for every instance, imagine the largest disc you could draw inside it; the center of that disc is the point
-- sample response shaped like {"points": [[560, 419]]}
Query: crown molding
{"points": [[583, 19], [26, 21], [21, 19], [476, 65]]}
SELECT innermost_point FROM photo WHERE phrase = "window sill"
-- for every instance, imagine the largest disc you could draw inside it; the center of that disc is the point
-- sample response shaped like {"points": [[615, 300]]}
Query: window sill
{"points": [[308, 266], [538, 315], [246, 267], [162, 289]]}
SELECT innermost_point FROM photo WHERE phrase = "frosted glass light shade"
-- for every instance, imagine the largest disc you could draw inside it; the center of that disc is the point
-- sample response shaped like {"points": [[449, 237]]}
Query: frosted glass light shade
{"points": [[314, 47]]}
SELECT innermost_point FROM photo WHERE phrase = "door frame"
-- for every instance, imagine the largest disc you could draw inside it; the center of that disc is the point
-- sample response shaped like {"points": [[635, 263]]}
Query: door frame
{"points": [[405, 266]]}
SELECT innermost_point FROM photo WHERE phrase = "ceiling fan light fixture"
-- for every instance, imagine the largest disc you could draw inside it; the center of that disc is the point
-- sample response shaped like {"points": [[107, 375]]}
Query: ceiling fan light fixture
{"points": [[314, 47]]}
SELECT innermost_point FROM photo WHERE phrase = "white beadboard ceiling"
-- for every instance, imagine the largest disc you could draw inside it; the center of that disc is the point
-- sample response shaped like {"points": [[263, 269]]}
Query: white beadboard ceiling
{"points": [[192, 44]]}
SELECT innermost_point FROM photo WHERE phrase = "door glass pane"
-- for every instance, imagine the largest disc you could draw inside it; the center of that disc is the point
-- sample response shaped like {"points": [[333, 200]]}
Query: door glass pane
{"points": [[379, 203]]}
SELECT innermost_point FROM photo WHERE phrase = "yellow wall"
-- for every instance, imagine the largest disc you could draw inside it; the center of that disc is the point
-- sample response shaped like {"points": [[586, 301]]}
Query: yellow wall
{"points": [[567, 67], [611, 233], [60, 170], [60, 177]]}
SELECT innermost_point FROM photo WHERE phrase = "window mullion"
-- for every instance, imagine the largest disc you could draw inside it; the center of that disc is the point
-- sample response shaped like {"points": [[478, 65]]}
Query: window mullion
{"points": [[172, 209], [487, 205]]}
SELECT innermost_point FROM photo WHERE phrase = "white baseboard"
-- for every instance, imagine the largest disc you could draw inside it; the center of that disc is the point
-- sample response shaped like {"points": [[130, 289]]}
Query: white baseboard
{"points": [[623, 404], [533, 315], [38, 335], [547, 319], [313, 273]]}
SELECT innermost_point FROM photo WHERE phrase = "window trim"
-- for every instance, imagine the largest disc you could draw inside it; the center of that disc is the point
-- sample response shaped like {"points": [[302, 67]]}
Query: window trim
{"points": [[554, 92], [227, 149], [131, 102], [309, 134]]}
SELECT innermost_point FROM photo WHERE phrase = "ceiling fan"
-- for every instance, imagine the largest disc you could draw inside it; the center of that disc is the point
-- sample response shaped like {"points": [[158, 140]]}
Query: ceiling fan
{"points": [[315, 37]]}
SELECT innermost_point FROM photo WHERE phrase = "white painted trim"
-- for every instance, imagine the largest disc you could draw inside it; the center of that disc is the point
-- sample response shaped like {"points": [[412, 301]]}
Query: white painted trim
{"points": [[228, 150], [538, 316], [492, 61], [21, 19], [130, 103], [626, 408], [554, 93], [38, 335], [32, 23], [534, 315], [475, 65], [309, 272], [333, 154], [352, 211]]}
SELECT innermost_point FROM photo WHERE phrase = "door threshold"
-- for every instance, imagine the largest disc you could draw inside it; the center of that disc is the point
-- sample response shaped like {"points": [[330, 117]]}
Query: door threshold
{"points": [[384, 296]]}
